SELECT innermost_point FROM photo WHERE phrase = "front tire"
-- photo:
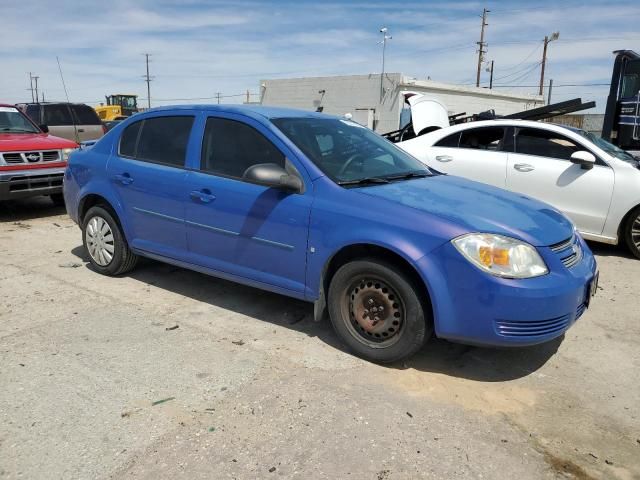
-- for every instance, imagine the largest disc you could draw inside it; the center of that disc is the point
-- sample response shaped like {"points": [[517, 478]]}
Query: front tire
{"points": [[376, 311], [104, 241], [632, 232]]}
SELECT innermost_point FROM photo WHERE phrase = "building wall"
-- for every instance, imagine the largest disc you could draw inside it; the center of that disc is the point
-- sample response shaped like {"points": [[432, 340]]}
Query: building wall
{"points": [[339, 95], [591, 122]]}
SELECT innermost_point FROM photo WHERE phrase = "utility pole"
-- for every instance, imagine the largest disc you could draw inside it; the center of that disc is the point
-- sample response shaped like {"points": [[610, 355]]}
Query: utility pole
{"points": [[549, 91], [385, 37], [36, 87], [31, 86], [491, 78], [148, 80], [481, 45], [247, 95], [218, 97], [547, 41]]}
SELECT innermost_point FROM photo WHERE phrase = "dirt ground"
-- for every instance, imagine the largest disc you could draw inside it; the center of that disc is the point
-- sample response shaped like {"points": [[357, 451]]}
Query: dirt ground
{"points": [[167, 373]]}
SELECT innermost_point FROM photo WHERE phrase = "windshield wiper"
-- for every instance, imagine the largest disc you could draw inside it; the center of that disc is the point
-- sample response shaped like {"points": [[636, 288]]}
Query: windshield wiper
{"points": [[364, 181], [17, 130], [408, 175]]}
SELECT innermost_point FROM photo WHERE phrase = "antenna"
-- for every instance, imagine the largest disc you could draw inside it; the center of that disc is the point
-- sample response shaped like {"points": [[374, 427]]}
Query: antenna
{"points": [[66, 94]]}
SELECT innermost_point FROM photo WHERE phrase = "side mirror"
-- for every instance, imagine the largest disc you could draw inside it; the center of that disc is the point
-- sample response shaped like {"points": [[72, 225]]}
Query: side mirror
{"points": [[44, 128], [583, 158], [272, 175]]}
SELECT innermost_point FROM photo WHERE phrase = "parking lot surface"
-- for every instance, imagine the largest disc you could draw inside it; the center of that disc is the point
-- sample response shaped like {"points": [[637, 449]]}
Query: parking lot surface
{"points": [[167, 373]]}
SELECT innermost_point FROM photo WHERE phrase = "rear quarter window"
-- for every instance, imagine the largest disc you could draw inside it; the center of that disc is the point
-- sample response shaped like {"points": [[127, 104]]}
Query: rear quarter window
{"points": [[85, 115]]}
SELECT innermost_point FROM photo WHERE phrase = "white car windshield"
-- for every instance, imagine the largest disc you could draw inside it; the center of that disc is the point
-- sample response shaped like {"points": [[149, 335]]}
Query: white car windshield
{"points": [[610, 148]]}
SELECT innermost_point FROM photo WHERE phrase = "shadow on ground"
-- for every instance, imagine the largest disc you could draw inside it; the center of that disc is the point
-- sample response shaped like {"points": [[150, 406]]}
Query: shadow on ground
{"points": [[439, 356], [28, 209]]}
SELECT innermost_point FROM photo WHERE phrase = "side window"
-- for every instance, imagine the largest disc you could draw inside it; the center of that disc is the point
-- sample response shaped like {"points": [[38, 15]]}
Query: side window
{"points": [[449, 141], [164, 140], [33, 112], [489, 138], [230, 147], [531, 141], [129, 140], [85, 115], [57, 115]]}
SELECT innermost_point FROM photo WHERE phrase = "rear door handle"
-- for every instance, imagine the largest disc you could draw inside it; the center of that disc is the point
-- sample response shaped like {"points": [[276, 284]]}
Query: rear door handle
{"points": [[444, 158], [81, 130], [123, 178], [523, 167], [204, 195]]}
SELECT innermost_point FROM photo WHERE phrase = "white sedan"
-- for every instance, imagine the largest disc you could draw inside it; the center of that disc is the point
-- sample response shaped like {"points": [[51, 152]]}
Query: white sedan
{"points": [[593, 182]]}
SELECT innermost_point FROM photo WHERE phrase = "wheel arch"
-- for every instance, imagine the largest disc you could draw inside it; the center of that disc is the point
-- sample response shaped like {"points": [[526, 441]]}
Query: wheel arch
{"points": [[357, 251], [94, 199], [625, 219]]}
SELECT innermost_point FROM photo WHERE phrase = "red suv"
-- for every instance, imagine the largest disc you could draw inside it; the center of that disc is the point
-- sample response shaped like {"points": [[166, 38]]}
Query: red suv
{"points": [[32, 162]]}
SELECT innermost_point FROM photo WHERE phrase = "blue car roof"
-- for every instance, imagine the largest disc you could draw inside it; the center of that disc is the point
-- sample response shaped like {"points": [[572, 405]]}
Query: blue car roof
{"points": [[261, 110]]}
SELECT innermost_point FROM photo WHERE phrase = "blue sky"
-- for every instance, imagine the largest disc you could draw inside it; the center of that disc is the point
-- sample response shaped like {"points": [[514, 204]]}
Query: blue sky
{"points": [[200, 48]]}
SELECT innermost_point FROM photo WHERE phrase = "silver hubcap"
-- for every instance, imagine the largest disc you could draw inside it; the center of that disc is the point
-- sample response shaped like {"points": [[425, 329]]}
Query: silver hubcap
{"points": [[100, 241], [635, 232]]}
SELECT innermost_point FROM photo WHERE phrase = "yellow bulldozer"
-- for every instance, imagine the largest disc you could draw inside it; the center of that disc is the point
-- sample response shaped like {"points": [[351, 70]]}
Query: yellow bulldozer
{"points": [[119, 106]]}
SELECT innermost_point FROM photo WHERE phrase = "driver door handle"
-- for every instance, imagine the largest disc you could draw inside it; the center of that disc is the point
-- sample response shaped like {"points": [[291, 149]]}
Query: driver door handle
{"points": [[523, 167], [123, 178], [203, 195], [444, 158]]}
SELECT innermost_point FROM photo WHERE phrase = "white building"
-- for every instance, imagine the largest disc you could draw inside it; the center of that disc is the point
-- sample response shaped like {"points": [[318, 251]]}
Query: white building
{"points": [[360, 96]]}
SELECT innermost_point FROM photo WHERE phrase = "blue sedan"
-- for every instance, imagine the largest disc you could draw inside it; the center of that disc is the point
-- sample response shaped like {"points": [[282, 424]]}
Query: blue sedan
{"points": [[322, 209]]}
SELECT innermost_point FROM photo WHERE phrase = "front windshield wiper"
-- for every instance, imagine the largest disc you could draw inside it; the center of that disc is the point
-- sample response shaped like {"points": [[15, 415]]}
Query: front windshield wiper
{"points": [[408, 175], [364, 181]]}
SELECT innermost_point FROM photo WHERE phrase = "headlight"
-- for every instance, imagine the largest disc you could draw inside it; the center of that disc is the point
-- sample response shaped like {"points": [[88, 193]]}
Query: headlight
{"points": [[65, 153], [501, 256]]}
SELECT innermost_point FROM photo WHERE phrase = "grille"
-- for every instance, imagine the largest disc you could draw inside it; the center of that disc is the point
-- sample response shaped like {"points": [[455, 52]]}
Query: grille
{"points": [[538, 328], [569, 251], [31, 157]]}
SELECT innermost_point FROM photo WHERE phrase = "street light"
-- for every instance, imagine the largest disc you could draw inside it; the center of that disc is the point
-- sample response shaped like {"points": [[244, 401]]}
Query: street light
{"points": [[385, 37], [547, 40]]}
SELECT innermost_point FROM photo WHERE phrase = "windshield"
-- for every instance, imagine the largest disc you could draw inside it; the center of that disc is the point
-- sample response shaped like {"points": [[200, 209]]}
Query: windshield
{"points": [[610, 148], [12, 121], [348, 152]]}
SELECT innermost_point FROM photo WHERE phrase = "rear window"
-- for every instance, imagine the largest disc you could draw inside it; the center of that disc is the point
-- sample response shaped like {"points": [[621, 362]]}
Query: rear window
{"points": [[56, 115], [158, 140], [85, 115]]}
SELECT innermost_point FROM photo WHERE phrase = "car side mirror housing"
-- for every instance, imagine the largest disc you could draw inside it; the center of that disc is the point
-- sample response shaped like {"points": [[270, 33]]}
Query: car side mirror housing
{"points": [[44, 128], [583, 158], [273, 175]]}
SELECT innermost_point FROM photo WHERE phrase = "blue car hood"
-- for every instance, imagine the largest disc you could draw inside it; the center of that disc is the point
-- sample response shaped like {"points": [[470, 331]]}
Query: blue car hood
{"points": [[477, 207]]}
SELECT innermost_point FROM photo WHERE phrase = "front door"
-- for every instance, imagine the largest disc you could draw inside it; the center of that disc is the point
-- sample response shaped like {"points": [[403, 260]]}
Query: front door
{"points": [[148, 173], [243, 229], [475, 153], [540, 168]]}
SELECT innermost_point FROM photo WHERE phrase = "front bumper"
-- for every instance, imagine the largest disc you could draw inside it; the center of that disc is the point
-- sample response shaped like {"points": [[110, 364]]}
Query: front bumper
{"points": [[474, 307], [30, 183]]}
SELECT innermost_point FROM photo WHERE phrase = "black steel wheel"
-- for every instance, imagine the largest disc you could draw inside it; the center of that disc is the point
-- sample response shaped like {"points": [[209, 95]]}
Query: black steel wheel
{"points": [[376, 310]]}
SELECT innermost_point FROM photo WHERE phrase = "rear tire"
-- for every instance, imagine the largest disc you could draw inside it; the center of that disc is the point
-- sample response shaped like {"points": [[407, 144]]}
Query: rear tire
{"points": [[104, 241], [632, 232], [377, 312], [57, 199]]}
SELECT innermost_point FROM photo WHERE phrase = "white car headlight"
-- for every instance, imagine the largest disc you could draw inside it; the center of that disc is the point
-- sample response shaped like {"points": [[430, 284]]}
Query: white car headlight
{"points": [[501, 256], [65, 153]]}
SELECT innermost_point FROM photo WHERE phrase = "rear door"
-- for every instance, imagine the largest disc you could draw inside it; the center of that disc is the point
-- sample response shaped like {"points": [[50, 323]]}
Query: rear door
{"points": [[247, 230], [87, 122], [148, 173], [540, 167], [474, 153]]}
